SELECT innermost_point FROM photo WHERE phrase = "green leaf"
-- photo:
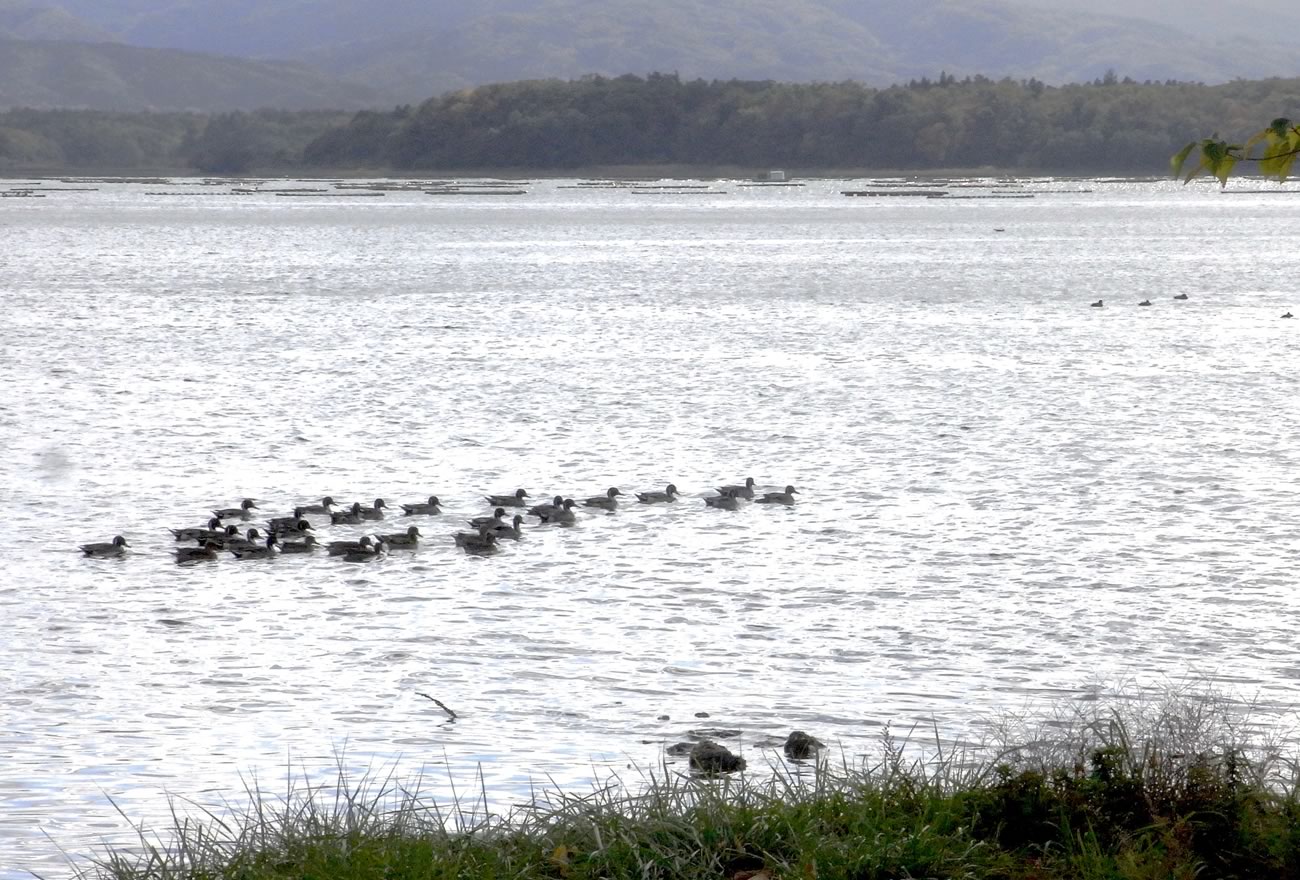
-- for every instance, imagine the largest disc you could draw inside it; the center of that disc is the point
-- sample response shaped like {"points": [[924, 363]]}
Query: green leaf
{"points": [[1256, 138], [1223, 168], [1176, 162]]}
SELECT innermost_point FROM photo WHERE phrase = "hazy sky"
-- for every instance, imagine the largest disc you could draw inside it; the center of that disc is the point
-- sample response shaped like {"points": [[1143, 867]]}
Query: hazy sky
{"points": [[1263, 19]]}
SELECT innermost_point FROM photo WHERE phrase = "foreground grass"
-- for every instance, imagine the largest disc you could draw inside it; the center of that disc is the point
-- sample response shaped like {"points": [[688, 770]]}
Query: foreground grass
{"points": [[1166, 795]]}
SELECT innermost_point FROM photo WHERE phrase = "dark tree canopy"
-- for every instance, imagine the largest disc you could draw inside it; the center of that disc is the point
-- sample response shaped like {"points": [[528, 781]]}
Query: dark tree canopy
{"points": [[1112, 125]]}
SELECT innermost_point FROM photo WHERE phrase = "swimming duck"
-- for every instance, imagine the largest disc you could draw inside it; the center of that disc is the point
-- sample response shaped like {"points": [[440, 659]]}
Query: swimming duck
{"points": [[725, 501], [498, 518], [563, 515], [223, 540], [374, 512], [115, 547], [308, 544], [513, 531], [243, 511], [544, 510], [326, 506], [608, 501], [1181, 296], [786, 497], [198, 554], [481, 543], [242, 542], [515, 500], [258, 551], [339, 548], [1145, 302], [669, 494], [198, 534], [432, 507], [350, 517], [370, 554], [284, 523], [1097, 304], [1288, 315], [745, 491], [287, 530], [409, 538]]}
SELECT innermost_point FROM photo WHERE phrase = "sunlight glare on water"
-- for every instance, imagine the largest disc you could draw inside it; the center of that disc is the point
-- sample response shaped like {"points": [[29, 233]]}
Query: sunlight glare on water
{"points": [[1007, 496]]}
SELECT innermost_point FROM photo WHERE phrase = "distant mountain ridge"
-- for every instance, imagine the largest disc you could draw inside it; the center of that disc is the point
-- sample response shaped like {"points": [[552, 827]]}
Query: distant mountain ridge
{"points": [[112, 76], [409, 50], [23, 20]]}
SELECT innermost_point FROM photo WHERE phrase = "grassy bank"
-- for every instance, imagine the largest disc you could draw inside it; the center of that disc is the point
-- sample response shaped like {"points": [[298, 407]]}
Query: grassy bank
{"points": [[1172, 793]]}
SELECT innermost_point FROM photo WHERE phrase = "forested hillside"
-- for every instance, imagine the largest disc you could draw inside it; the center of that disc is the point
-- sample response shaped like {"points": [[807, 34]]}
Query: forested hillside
{"points": [[1109, 126]]}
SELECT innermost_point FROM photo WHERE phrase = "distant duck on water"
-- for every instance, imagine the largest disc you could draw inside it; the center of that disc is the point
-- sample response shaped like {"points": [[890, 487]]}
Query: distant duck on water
{"points": [[1181, 296], [376, 511], [515, 500], [258, 551], [786, 497], [514, 531], [563, 514], [1288, 315], [350, 517], [746, 491], [608, 501], [669, 494], [409, 538], [115, 547], [725, 501], [326, 506], [308, 544], [1145, 302], [242, 512], [207, 552], [1097, 304], [545, 510], [498, 518], [213, 530], [432, 507], [340, 548]]}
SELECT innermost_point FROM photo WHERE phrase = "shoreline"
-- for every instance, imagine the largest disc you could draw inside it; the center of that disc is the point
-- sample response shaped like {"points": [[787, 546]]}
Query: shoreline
{"points": [[1166, 793], [600, 172]]}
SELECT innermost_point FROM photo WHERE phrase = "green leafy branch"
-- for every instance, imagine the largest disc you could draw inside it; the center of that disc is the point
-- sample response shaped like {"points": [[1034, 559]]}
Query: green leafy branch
{"points": [[1281, 145]]}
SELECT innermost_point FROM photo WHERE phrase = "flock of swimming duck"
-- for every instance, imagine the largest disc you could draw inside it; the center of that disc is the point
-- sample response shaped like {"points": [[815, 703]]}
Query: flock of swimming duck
{"points": [[296, 533], [1182, 296]]}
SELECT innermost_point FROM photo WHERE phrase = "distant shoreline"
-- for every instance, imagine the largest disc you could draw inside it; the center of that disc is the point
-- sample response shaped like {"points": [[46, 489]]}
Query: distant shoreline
{"points": [[600, 172]]}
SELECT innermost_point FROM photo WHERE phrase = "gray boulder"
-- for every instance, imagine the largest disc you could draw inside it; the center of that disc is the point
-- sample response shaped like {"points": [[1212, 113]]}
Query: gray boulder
{"points": [[708, 757], [799, 746]]}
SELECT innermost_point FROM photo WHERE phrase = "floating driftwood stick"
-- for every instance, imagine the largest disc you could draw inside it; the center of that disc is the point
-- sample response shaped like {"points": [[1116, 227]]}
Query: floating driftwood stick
{"points": [[441, 705]]}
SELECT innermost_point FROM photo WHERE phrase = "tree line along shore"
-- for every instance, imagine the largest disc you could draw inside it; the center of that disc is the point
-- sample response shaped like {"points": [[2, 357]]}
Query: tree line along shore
{"points": [[1108, 126]]}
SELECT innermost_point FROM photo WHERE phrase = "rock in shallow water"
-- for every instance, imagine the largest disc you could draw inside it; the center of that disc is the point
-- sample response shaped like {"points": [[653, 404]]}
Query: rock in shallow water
{"points": [[709, 757], [800, 746]]}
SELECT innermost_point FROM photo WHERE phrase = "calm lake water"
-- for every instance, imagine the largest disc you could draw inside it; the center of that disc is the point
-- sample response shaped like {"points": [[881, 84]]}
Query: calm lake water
{"points": [[1009, 500]]}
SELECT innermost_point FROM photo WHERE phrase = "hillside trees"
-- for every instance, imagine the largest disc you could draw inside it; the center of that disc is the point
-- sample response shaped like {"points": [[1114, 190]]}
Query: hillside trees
{"points": [[1111, 126]]}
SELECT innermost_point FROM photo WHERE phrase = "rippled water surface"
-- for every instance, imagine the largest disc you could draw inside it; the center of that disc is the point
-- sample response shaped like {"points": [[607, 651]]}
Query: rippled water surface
{"points": [[1008, 496]]}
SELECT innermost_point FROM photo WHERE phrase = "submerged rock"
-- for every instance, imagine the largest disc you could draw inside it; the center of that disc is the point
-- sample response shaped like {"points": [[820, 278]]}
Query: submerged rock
{"points": [[800, 746], [709, 757]]}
